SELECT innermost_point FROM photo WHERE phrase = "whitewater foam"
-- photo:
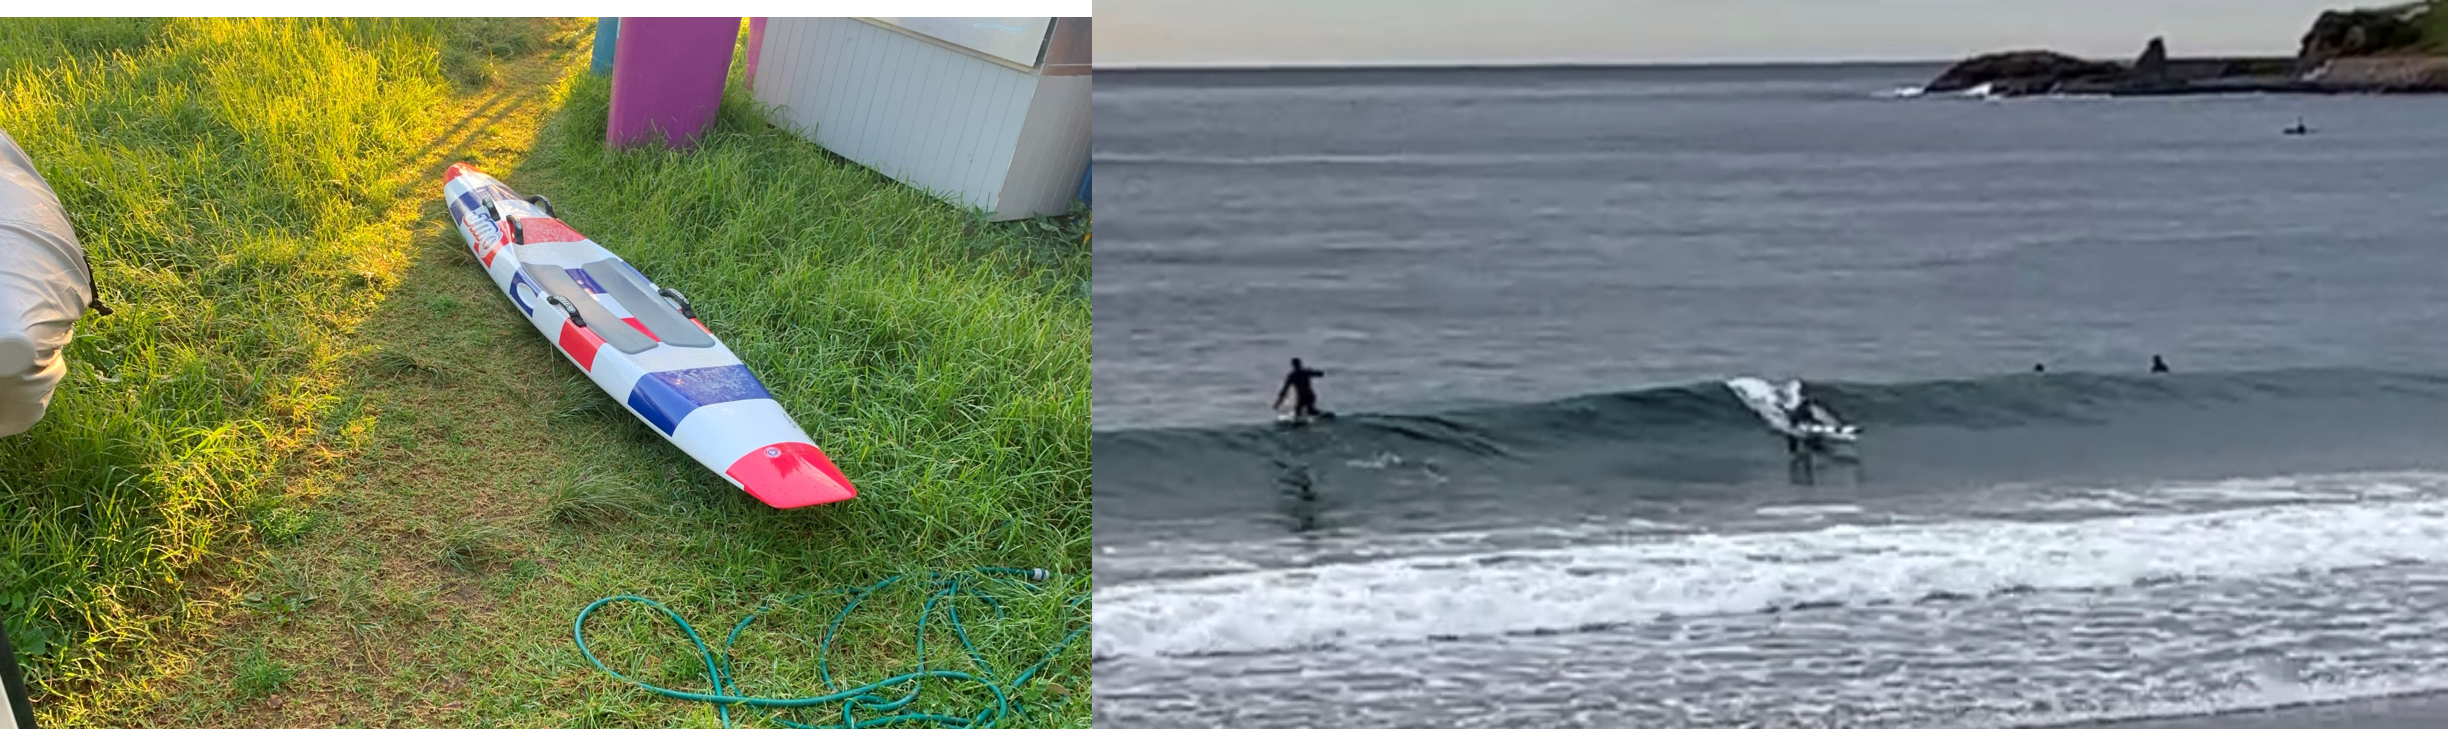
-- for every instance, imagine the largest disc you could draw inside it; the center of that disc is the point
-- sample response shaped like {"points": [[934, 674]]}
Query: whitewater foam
{"points": [[1379, 462], [1808, 510], [1420, 597], [2259, 696]]}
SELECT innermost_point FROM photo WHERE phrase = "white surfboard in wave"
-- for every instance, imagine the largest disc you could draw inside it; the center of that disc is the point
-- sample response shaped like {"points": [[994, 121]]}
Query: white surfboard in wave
{"points": [[1772, 401]]}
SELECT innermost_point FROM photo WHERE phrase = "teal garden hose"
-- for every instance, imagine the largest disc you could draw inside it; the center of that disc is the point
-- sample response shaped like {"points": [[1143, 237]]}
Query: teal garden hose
{"points": [[861, 706]]}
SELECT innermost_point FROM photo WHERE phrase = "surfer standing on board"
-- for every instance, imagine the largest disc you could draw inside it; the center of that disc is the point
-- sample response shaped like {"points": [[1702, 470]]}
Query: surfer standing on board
{"points": [[1304, 405], [1805, 413], [1801, 413]]}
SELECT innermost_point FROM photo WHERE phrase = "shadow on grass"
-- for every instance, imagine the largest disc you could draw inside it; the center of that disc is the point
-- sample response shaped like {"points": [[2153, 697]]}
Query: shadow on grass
{"points": [[942, 363], [232, 217], [233, 181]]}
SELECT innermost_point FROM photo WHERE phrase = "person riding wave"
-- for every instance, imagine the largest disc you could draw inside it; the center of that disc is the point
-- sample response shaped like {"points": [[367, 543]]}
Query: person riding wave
{"points": [[1807, 413], [1304, 405], [1802, 413]]}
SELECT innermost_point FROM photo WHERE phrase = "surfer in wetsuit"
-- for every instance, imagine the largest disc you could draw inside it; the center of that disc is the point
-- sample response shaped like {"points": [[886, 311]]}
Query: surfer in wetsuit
{"points": [[2158, 366], [1806, 411], [1801, 413], [1797, 416], [1304, 404]]}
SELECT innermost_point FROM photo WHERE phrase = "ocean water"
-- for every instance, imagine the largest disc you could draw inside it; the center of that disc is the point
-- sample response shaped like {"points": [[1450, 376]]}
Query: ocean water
{"points": [[1540, 507]]}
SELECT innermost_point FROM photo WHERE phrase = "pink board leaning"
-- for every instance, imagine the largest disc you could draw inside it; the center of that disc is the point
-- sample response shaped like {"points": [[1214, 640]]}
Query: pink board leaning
{"points": [[667, 78]]}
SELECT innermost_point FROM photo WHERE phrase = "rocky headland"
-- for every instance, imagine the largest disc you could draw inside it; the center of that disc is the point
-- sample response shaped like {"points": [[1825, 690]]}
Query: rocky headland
{"points": [[2397, 49]]}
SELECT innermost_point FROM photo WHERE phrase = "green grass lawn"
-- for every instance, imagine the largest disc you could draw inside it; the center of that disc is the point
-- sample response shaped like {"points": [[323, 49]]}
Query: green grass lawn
{"points": [[241, 222], [336, 481]]}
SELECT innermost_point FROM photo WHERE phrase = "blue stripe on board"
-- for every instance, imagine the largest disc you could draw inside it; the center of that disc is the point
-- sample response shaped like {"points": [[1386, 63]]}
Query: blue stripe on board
{"points": [[665, 398], [518, 279], [585, 281]]}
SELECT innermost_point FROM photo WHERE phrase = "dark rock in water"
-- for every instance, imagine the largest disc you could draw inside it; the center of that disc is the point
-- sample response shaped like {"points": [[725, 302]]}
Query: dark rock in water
{"points": [[2024, 72], [2152, 66], [2351, 51], [2384, 74], [2345, 33], [2024, 86], [2151, 70]]}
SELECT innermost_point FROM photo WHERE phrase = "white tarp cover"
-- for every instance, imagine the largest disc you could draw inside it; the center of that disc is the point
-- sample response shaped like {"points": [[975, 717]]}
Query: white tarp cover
{"points": [[44, 287]]}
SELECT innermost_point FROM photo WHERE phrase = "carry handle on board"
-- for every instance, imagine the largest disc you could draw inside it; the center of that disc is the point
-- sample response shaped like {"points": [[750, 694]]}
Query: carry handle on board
{"points": [[676, 298], [518, 233], [542, 202], [566, 308]]}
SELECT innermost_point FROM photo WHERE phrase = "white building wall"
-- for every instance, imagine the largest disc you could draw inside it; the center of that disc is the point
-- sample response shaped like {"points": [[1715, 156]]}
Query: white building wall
{"points": [[935, 118]]}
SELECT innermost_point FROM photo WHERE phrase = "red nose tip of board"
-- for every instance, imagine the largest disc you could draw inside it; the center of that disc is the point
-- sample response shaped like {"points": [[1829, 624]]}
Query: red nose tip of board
{"points": [[791, 475], [456, 169]]}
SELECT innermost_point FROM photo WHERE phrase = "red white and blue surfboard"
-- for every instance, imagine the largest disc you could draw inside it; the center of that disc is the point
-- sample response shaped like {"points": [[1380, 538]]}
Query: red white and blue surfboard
{"points": [[641, 343]]}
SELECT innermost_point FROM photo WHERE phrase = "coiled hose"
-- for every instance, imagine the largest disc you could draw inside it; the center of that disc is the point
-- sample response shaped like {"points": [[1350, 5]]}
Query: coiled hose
{"points": [[860, 700]]}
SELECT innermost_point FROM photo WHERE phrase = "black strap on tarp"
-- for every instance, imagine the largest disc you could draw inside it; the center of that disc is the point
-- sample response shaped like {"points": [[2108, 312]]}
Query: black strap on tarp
{"points": [[12, 685], [93, 284]]}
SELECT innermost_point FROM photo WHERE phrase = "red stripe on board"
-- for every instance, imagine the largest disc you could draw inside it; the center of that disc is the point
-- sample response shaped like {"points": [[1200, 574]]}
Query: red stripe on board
{"points": [[700, 325], [791, 475], [580, 344], [484, 251], [548, 230], [633, 324], [456, 169]]}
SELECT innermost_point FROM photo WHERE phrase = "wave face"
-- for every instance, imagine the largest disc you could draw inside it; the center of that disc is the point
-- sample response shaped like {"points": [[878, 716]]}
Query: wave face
{"points": [[2012, 551], [1643, 453]]}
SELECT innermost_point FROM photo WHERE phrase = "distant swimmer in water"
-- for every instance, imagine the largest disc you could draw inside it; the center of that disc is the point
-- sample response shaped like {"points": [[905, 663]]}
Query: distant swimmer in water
{"points": [[2038, 368], [1296, 383], [2299, 129], [2158, 366]]}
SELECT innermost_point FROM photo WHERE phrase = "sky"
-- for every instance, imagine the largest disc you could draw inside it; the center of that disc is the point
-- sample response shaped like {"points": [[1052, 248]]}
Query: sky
{"points": [[1374, 32]]}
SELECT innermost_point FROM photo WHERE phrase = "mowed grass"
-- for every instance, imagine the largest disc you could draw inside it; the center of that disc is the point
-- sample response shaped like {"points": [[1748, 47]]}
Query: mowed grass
{"points": [[942, 362], [405, 493], [234, 184]]}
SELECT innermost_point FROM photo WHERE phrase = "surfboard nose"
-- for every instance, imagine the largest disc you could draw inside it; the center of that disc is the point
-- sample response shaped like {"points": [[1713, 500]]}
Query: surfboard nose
{"points": [[456, 169], [791, 475]]}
